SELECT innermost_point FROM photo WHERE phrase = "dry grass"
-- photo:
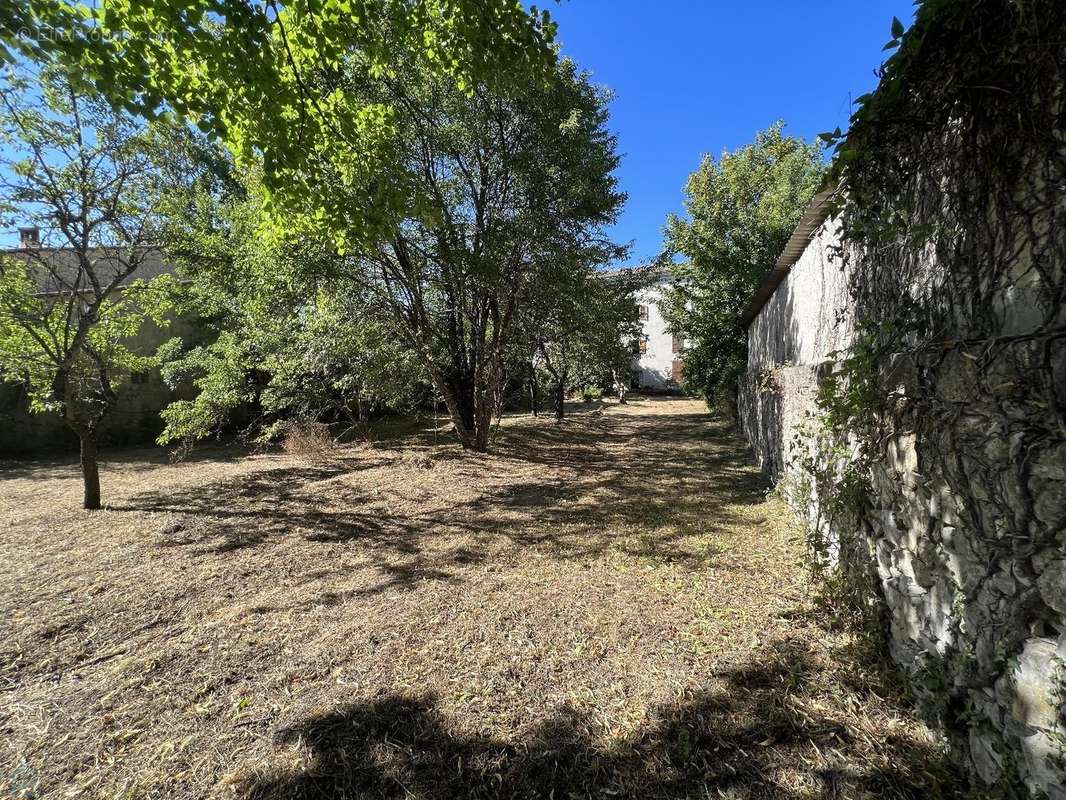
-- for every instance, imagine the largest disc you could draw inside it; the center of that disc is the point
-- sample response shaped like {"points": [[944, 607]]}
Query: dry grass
{"points": [[607, 608], [309, 441]]}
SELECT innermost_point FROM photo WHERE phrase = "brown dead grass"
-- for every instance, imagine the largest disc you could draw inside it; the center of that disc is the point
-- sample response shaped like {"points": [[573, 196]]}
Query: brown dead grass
{"points": [[609, 607]]}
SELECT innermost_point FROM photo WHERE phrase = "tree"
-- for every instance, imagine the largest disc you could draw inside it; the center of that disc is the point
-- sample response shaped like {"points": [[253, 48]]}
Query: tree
{"points": [[69, 303], [294, 338], [271, 81], [504, 189], [579, 332], [740, 212]]}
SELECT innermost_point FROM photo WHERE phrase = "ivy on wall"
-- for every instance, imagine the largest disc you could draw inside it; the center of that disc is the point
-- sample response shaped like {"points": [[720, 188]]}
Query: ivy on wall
{"points": [[952, 209]]}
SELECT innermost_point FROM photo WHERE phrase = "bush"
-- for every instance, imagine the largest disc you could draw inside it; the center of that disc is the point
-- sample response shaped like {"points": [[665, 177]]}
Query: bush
{"points": [[590, 393]]}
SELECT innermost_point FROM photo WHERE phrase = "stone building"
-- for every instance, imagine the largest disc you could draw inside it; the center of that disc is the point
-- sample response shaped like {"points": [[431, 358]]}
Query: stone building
{"points": [[658, 353]]}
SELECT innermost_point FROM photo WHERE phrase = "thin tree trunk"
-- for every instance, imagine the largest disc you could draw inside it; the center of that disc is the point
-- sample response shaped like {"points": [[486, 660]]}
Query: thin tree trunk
{"points": [[90, 471], [483, 429], [483, 408], [560, 399], [533, 396]]}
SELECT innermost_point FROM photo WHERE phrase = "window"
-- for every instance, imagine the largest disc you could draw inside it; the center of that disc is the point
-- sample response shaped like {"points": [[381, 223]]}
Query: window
{"points": [[643, 346], [642, 312]]}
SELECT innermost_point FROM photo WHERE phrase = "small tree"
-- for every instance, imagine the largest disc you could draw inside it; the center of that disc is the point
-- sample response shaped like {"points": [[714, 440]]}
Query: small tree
{"points": [[70, 302], [579, 333]]}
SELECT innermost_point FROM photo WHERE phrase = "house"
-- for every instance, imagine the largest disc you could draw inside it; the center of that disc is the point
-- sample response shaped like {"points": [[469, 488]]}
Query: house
{"points": [[657, 353]]}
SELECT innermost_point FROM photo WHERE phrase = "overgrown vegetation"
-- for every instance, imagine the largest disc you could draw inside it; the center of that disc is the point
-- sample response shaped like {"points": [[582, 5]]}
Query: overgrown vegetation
{"points": [[954, 236], [962, 257], [293, 337]]}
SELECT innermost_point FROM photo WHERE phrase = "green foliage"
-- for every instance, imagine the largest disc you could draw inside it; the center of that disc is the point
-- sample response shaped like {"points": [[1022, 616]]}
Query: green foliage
{"points": [[281, 83], [516, 193], [507, 193], [35, 332], [295, 338], [740, 211], [592, 392], [576, 332], [849, 396], [70, 309]]}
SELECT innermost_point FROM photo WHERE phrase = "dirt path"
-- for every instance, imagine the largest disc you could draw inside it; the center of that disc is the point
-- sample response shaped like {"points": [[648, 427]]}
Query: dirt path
{"points": [[607, 608]]}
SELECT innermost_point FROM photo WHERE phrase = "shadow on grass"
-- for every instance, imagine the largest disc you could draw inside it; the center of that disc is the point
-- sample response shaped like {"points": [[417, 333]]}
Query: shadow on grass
{"points": [[634, 485], [763, 733]]}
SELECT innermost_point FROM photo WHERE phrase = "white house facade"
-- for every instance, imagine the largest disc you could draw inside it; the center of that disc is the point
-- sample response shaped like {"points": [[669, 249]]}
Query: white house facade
{"points": [[657, 355]]}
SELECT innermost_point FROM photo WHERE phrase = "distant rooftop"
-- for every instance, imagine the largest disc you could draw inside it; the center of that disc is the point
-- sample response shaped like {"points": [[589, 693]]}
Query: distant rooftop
{"points": [[57, 269]]}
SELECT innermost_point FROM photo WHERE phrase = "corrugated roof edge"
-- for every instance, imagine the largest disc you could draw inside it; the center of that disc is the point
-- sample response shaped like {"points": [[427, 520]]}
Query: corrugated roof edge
{"points": [[816, 213]]}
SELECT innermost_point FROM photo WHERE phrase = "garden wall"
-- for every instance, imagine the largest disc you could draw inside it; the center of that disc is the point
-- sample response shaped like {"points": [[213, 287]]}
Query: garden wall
{"points": [[961, 523]]}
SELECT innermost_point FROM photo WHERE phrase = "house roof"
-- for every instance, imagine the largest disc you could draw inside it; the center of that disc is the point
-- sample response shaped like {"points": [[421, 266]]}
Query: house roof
{"points": [[57, 269], [817, 212]]}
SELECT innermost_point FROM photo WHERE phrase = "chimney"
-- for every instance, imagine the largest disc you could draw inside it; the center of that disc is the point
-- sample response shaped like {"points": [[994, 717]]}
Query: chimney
{"points": [[30, 237]]}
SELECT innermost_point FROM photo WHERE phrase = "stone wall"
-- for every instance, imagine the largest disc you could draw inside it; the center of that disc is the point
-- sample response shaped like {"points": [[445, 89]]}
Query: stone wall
{"points": [[963, 523], [808, 317]]}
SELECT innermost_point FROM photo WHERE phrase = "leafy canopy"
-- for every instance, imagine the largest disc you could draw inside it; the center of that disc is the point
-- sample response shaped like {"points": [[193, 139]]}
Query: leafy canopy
{"points": [[739, 212], [271, 80]]}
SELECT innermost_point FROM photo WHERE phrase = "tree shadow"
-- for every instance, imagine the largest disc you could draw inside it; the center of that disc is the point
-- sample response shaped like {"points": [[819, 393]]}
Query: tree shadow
{"points": [[595, 481], [765, 731]]}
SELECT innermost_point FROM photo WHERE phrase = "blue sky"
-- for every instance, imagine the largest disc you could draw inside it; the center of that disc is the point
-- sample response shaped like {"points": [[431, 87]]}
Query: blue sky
{"points": [[699, 76]]}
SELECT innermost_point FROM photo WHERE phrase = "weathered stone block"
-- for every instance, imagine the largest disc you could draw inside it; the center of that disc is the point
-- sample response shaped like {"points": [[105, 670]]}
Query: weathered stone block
{"points": [[1036, 682]]}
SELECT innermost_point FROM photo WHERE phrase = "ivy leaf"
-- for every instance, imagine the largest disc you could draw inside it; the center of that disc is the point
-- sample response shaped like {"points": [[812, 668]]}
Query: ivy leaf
{"points": [[897, 28]]}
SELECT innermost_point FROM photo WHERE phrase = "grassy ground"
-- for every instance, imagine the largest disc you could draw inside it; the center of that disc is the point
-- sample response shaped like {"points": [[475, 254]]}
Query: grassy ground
{"points": [[606, 608]]}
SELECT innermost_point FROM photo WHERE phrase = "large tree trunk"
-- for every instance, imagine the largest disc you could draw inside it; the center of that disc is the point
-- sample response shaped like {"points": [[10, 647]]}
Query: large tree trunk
{"points": [[560, 399], [90, 471]]}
